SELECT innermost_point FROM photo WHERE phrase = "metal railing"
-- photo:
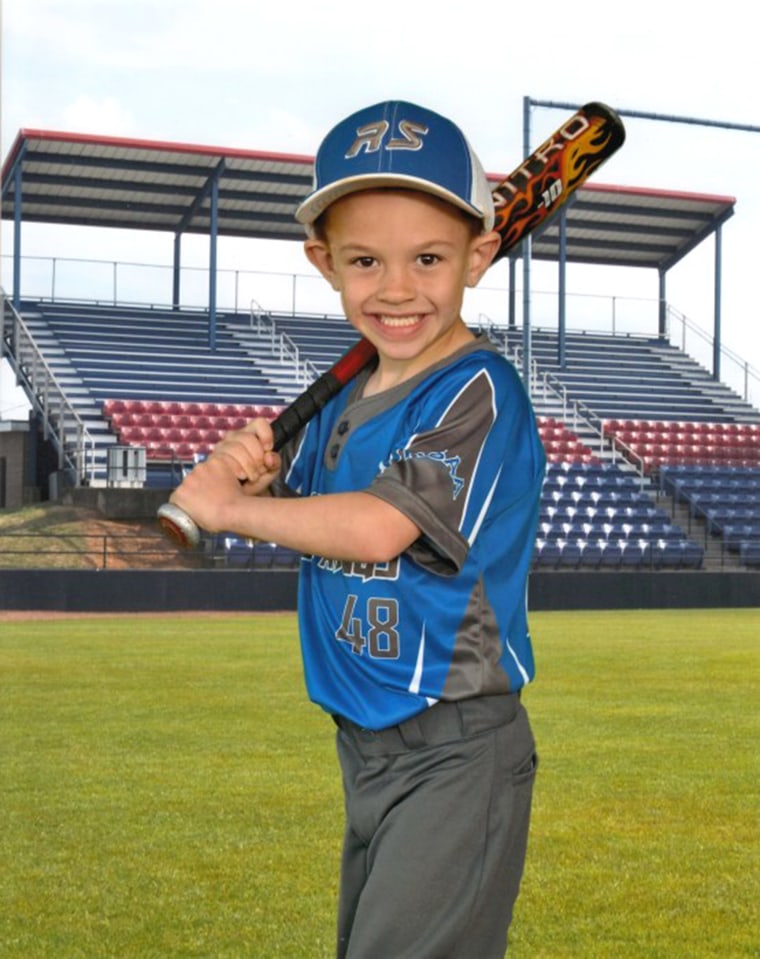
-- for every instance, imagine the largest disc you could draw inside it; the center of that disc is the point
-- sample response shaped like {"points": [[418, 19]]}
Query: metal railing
{"points": [[146, 284], [60, 421], [29, 550], [545, 386], [282, 345], [124, 283], [736, 372]]}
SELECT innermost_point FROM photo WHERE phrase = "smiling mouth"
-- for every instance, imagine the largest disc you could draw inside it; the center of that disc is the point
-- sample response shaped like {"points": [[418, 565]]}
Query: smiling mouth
{"points": [[399, 322]]}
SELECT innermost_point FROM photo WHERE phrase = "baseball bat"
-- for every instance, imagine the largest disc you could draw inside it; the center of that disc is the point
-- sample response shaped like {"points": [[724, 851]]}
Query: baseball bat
{"points": [[525, 200], [531, 195]]}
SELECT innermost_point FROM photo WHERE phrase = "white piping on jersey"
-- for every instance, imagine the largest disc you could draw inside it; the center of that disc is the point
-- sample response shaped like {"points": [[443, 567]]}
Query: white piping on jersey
{"points": [[523, 672], [484, 509], [480, 452], [414, 685], [479, 520], [520, 667], [296, 456]]}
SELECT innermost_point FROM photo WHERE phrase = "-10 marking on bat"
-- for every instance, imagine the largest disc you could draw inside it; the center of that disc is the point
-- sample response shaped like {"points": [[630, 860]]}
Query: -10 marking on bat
{"points": [[553, 193]]}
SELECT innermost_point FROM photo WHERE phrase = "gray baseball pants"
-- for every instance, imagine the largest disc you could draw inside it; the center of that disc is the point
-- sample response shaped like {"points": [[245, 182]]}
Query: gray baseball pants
{"points": [[437, 814]]}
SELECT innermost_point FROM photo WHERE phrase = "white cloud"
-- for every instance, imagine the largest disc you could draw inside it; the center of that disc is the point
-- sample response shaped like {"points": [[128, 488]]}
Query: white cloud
{"points": [[106, 116]]}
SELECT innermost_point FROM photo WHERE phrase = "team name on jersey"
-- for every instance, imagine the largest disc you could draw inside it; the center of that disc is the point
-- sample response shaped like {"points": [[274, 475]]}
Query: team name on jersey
{"points": [[450, 463], [363, 571]]}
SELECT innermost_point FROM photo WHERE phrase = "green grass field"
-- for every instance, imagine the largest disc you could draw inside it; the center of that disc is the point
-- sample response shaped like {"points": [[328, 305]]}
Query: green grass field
{"points": [[168, 791]]}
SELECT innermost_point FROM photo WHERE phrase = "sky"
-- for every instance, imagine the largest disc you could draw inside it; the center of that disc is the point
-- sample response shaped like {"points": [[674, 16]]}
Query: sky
{"points": [[275, 77]]}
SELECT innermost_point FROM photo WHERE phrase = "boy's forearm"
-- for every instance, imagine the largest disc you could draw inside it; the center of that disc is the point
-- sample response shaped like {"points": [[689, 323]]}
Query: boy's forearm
{"points": [[347, 526]]}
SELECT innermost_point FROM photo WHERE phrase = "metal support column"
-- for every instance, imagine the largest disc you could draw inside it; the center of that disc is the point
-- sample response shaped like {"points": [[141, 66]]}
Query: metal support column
{"points": [[526, 251], [512, 294], [718, 291], [213, 236], [17, 190], [176, 270], [562, 292]]}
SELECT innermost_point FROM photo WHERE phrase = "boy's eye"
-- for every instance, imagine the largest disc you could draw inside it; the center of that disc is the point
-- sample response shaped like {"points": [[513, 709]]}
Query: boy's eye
{"points": [[364, 261], [428, 259]]}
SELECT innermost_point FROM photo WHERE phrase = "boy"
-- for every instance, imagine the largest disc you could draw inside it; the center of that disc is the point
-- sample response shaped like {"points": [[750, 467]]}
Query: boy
{"points": [[413, 497]]}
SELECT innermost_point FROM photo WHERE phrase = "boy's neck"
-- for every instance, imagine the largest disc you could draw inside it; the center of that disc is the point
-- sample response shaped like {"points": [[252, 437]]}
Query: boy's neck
{"points": [[390, 372]]}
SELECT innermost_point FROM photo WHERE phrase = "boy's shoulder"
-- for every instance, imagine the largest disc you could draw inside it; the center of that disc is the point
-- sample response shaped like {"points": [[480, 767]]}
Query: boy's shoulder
{"points": [[481, 354], [441, 383]]}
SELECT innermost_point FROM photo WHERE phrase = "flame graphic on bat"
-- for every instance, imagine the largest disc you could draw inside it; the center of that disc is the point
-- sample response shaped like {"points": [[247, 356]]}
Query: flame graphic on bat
{"points": [[541, 184]]}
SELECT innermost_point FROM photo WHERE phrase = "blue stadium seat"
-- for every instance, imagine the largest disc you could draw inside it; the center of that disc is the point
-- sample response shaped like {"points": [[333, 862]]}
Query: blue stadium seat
{"points": [[263, 556], [591, 557], [570, 555], [549, 554], [238, 551], [285, 558], [749, 552], [692, 555], [612, 556], [637, 553]]}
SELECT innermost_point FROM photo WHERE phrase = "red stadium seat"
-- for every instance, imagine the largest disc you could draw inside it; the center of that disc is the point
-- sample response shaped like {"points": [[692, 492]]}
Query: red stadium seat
{"points": [[113, 407], [192, 409], [132, 436]]}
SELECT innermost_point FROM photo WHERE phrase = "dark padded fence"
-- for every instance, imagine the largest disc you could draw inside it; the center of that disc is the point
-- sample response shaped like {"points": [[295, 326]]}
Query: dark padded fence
{"points": [[103, 591]]}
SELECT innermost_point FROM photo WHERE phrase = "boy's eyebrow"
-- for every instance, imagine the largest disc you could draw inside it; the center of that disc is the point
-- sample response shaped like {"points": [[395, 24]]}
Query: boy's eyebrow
{"points": [[358, 247]]}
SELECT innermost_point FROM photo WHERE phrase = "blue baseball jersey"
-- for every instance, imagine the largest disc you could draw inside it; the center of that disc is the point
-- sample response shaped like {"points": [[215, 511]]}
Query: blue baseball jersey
{"points": [[456, 449]]}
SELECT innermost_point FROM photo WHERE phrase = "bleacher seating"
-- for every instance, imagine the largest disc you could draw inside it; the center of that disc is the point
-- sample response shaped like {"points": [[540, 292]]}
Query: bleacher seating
{"points": [[561, 444], [238, 552], [630, 377], [176, 430], [595, 515], [151, 354], [152, 381], [658, 443], [182, 430], [726, 498]]}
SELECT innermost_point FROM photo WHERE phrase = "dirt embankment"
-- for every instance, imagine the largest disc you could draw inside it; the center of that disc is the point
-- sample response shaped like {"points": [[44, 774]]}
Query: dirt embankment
{"points": [[75, 537]]}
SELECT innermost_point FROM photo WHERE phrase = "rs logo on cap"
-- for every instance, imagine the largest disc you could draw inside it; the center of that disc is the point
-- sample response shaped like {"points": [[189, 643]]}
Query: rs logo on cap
{"points": [[372, 137]]}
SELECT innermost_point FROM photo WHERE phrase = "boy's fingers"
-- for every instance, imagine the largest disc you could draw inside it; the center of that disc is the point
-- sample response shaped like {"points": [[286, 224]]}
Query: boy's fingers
{"points": [[247, 454], [263, 430]]}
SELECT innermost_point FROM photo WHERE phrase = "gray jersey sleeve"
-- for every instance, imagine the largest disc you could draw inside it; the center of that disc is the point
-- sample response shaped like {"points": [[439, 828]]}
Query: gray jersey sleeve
{"points": [[430, 478]]}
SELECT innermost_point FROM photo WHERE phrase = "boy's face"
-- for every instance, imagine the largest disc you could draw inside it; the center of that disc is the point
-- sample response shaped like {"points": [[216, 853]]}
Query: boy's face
{"points": [[401, 261]]}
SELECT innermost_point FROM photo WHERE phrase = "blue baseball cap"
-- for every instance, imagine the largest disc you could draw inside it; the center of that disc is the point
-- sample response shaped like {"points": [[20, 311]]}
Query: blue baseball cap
{"points": [[398, 144]]}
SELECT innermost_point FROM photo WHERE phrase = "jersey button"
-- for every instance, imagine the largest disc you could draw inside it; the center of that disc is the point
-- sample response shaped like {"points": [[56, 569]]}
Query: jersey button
{"points": [[334, 450], [343, 427]]}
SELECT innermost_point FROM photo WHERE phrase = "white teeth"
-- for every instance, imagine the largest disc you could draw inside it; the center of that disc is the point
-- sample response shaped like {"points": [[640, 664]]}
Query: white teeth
{"points": [[399, 320]]}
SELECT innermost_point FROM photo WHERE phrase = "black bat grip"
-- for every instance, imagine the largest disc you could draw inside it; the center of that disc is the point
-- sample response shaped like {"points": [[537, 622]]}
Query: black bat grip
{"points": [[292, 419]]}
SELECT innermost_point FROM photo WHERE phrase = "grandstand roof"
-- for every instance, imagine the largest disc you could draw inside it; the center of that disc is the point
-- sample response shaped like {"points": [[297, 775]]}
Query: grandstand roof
{"points": [[82, 180]]}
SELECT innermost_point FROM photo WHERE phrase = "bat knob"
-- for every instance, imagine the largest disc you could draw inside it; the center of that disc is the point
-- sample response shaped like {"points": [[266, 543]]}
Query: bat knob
{"points": [[178, 526]]}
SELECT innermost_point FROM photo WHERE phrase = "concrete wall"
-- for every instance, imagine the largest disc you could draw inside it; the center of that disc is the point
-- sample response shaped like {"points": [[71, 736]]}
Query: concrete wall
{"points": [[14, 480]]}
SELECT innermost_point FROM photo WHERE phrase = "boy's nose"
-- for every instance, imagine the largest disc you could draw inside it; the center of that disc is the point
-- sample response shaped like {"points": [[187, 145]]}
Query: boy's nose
{"points": [[396, 285]]}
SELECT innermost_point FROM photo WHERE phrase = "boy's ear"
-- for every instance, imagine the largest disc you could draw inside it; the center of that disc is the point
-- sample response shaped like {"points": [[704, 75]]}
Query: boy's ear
{"points": [[318, 254], [484, 248]]}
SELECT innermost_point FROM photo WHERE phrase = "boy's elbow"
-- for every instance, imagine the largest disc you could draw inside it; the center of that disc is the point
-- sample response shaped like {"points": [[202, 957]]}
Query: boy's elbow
{"points": [[384, 551], [389, 534]]}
